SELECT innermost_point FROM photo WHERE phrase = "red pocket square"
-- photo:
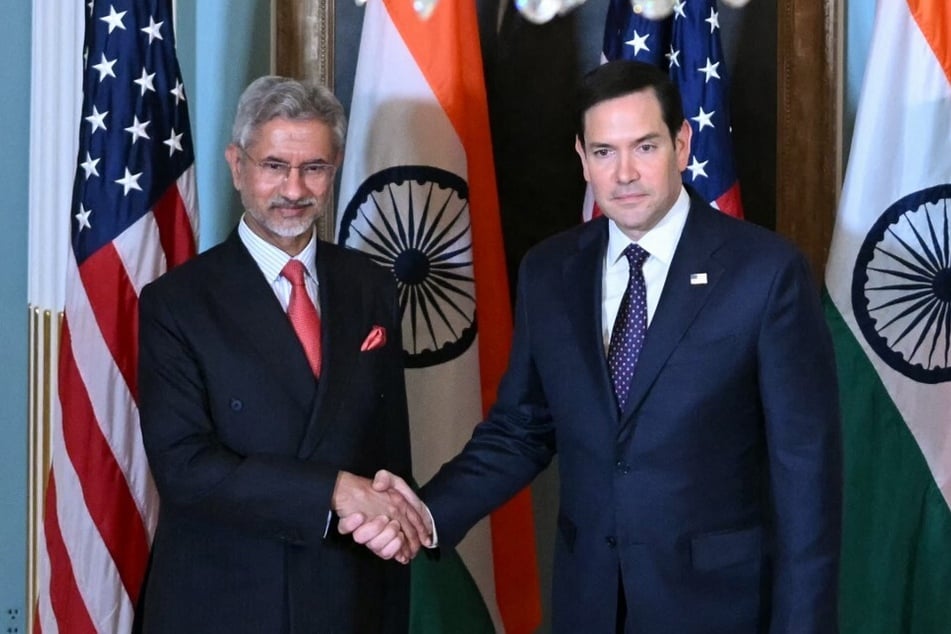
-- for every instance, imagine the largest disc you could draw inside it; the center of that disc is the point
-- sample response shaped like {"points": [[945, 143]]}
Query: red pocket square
{"points": [[376, 339]]}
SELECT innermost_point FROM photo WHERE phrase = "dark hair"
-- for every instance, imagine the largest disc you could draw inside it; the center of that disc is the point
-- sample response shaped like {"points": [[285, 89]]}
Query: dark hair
{"points": [[623, 77]]}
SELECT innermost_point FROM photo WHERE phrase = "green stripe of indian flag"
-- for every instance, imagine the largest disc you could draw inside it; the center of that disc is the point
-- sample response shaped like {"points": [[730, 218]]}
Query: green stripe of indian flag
{"points": [[896, 552], [900, 145], [397, 120], [896, 546]]}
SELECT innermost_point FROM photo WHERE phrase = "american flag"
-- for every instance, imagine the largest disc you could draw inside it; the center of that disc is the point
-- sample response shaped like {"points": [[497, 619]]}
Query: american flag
{"points": [[133, 215], [688, 44]]}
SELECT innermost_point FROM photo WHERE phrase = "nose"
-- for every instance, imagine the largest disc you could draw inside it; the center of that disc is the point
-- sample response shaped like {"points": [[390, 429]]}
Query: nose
{"points": [[293, 185], [627, 171]]}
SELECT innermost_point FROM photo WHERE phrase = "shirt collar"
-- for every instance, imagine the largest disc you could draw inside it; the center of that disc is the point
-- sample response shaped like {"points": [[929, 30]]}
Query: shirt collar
{"points": [[270, 259], [660, 241]]}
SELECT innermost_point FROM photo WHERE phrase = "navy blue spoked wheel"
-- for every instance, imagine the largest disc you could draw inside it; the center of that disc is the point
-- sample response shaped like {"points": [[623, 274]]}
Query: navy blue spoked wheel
{"points": [[901, 285], [414, 220]]}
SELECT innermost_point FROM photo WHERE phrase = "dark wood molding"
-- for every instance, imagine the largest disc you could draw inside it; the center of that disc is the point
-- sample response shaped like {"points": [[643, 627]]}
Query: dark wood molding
{"points": [[809, 129], [304, 48]]}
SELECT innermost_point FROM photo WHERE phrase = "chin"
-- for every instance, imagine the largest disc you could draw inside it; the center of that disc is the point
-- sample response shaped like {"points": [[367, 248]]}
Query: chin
{"points": [[292, 230]]}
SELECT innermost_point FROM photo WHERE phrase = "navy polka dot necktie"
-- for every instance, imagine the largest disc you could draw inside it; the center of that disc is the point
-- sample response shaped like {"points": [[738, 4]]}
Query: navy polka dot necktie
{"points": [[629, 326]]}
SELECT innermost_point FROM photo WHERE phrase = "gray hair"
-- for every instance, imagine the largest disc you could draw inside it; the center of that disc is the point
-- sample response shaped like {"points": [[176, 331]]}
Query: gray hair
{"points": [[271, 96]]}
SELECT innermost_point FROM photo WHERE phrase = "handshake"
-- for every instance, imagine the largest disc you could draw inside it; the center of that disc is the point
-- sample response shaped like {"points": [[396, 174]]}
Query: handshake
{"points": [[384, 514]]}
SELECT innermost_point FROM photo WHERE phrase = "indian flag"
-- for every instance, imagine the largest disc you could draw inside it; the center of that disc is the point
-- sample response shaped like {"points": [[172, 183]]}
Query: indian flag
{"points": [[418, 195], [889, 286]]}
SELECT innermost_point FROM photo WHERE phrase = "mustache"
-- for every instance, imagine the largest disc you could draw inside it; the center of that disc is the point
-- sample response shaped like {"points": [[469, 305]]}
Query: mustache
{"points": [[284, 201]]}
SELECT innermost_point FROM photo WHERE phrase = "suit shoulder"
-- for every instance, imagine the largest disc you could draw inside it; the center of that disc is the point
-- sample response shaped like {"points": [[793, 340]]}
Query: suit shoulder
{"points": [[354, 263], [751, 239], [558, 245], [189, 272]]}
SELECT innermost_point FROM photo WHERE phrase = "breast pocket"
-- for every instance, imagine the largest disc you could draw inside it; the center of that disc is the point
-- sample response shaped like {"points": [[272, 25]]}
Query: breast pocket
{"points": [[703, 350], [712, 551]]}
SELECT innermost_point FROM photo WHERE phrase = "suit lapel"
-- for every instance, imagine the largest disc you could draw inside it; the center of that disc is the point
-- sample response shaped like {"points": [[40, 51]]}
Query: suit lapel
{"points": [[679, 303], [582, 274], [257, 313], [341, 308]]}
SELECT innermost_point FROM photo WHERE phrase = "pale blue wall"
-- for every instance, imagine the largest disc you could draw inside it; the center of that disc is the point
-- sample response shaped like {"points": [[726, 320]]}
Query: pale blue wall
{"points": [[859, 15], [222, 46], [15, 132]]}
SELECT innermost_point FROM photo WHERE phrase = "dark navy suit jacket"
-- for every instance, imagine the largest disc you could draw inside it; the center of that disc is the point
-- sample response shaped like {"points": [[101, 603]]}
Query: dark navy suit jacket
{"points": [[716, 494], [245, 446]]}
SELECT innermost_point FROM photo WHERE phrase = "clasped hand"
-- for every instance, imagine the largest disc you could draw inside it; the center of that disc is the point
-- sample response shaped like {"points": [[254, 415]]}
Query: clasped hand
{"points": [[384, 514]]}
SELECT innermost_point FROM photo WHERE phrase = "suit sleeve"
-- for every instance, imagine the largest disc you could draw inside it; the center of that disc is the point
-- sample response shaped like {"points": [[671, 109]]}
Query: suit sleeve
{"points": [[397, 460], [506, 451], [800, 402], [196, 473]]}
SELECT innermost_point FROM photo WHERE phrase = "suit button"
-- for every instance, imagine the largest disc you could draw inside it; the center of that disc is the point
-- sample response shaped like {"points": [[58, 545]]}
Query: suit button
{"points": [[236, 405], [611, 541], [622, 467]]}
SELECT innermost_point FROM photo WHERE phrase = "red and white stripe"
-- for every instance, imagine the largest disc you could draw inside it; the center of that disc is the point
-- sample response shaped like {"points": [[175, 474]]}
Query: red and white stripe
{"points": [[101, 504]]}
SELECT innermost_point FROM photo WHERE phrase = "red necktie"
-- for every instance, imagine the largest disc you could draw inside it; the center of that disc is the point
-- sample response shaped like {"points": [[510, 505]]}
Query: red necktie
{"points": [[303, 314]]}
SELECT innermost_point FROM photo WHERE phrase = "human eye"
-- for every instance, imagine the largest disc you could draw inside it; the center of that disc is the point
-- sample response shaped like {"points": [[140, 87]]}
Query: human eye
{"points": [[647, 148], [315, 169], [274, 167], [601, 152]]}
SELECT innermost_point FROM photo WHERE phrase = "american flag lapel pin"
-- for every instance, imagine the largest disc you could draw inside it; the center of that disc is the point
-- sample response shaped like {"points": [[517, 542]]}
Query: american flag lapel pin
{"points": [[698, 279]]}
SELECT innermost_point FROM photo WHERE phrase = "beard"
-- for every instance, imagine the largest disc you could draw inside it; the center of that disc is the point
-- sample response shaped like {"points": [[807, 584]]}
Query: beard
{"points": [[286, 227]]}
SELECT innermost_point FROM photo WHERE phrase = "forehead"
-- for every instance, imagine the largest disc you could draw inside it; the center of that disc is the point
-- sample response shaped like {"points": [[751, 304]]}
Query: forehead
{"points": [[297, 136], [638, 113]]}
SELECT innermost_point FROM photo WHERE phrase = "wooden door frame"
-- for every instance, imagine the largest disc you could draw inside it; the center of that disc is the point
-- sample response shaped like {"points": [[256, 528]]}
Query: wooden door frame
{"points": [[809, 124], [809, 104], [303, 38]]}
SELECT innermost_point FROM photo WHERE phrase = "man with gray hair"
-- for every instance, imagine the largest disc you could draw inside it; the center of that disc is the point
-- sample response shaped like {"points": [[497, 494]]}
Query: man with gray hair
{"points": [[270, 389]]}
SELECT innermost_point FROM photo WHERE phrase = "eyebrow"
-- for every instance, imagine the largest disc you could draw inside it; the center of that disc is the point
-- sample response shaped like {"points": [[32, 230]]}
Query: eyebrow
{"points": [[317, 161], [653, 136]]}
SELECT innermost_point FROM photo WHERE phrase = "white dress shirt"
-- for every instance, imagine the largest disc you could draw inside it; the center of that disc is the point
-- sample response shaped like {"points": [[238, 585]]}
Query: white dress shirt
{"points": [[661, 242], [271, 261]]}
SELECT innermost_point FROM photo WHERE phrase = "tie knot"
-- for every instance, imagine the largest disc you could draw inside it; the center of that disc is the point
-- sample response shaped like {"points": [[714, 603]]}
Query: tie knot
{"points": [[294, 271], [636, 255]]}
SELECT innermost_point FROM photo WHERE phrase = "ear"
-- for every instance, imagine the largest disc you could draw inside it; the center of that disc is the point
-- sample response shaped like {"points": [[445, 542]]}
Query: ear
{"points": [[579, 148], [682, 145], [231, 155]]}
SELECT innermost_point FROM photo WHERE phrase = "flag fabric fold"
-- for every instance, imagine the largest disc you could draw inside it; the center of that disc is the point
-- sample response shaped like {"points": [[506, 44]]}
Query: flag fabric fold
{"points": [[133, 215], [687, 45], [418, 194], [888, 282]]}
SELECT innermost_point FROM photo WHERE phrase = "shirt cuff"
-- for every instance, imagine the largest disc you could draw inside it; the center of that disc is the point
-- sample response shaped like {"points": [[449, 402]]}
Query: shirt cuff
{"points": [[432, 523]]}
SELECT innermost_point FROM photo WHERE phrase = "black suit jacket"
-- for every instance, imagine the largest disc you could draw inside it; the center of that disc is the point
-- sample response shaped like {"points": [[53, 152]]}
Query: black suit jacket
{"points": [[245, 445], [715, 494]]}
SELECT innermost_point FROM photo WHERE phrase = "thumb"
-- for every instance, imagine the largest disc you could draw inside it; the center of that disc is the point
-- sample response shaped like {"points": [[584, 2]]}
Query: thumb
{"points": [[383, 480]]}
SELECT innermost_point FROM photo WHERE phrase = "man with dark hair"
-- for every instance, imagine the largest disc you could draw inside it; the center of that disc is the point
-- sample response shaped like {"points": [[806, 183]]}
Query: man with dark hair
{"points": [[270, 388], [678, 362]]}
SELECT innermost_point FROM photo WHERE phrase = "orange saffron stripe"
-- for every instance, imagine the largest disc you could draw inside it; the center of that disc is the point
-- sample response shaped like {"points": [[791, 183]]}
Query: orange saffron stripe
{"points": [[934, 20], [446, 50]]}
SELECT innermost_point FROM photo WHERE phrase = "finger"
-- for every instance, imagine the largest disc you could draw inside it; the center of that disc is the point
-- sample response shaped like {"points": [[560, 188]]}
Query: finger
{"points": [[411, 537], [391, 549], [401, 511], [384, 480], [350, 523], [398, 484], [388, 542], [370, 529], [408, 552], [411, 519]]}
